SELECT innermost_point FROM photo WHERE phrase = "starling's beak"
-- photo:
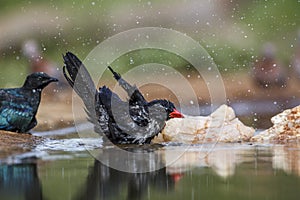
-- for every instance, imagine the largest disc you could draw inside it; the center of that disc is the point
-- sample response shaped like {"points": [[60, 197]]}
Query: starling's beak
{"points": [[49, 80], [52, 80], [176, 114]]}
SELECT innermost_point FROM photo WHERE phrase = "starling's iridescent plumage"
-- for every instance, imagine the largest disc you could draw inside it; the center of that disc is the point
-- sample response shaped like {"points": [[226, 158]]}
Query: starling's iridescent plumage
{"points": [[135, 121], [18, 106]]}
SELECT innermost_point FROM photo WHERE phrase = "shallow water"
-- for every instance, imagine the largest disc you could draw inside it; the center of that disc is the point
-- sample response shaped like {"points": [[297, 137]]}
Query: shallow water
{"points": [[62, 168]]}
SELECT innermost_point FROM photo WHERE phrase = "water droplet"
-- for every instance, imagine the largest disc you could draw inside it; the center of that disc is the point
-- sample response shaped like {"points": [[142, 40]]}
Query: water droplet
{"points": [[131, 61]]}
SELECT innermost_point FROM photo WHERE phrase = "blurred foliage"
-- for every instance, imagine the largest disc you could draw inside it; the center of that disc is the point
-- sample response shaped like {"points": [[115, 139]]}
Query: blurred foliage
{"points": [[274, 21], [139, 57], [86, 24]]}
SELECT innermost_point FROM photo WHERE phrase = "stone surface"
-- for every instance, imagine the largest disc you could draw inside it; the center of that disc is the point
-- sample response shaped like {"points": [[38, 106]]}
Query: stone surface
{"points": [[15, 143], [221, 126], [286, 128]]}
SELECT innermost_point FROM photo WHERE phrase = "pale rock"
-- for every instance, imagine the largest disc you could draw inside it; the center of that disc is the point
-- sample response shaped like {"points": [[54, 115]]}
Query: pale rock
{"points": [[286, 128], [221, 126]]}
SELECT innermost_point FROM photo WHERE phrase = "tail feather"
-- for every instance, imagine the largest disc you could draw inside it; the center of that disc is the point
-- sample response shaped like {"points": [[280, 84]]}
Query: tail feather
{"points": [[124, 84], [80, 80], [132, 91], [117, 76]]}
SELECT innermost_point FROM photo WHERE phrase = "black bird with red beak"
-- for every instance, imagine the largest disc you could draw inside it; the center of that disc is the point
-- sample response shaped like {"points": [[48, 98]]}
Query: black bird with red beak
{"points": [[134, 121]]}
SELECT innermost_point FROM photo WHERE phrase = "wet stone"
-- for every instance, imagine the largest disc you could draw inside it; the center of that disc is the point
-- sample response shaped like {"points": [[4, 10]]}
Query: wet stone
{"points": [[15, 143], [286, 128], [221, 126]]}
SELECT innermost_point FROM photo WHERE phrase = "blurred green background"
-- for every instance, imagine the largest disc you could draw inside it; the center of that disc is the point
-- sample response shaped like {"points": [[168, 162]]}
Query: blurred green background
{"points": [[232, 31]]}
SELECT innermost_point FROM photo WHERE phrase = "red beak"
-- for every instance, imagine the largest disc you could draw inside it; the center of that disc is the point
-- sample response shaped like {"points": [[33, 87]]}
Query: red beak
{"points": [[176, 114]]}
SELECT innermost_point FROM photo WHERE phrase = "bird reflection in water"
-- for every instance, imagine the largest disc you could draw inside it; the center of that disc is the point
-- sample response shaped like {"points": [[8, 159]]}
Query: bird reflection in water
{"points": [[20, 181], [104, 182]]}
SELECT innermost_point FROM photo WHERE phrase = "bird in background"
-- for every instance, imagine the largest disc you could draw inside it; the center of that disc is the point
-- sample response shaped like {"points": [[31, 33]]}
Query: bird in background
{"points": [[134, 121], [39, 63], [267, 71], [18, 106]]}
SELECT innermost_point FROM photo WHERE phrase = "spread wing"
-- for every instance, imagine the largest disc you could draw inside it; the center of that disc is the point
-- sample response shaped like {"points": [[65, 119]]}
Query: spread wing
{"points": [[112, 115], [117, 124], [138, 108]]}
